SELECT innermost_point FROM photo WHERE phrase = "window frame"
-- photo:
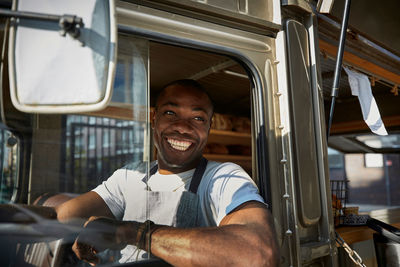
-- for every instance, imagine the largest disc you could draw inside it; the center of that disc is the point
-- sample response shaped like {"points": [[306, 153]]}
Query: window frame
{"points": [[258, 106]]}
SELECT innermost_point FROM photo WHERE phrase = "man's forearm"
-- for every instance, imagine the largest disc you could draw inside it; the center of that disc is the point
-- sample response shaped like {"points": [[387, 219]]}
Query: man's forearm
{"points": [[83, 207], [229, 245], [23, 213], [46, 212]]}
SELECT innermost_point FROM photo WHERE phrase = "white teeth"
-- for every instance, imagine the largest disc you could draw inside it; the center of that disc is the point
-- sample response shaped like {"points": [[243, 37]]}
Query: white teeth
{"points": [[179, 145]]}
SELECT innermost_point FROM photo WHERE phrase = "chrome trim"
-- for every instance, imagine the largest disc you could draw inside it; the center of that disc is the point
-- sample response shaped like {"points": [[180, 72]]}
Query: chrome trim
{"points": [[257, 16], [185, 27]]}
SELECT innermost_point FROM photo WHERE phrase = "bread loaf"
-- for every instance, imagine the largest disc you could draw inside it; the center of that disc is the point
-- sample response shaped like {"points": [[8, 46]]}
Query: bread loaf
{"points": [[221, 122], [241, 124]]}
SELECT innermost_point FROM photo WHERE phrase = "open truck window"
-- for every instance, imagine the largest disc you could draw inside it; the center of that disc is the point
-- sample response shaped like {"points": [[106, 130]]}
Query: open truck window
{"points": [[97, 144]]}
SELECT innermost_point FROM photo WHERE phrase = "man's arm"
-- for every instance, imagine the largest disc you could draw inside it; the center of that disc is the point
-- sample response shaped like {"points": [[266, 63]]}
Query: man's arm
{"points": [[245, 237], [83, 207]]}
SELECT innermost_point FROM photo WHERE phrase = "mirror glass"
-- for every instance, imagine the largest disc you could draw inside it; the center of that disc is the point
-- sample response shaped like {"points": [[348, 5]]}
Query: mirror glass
{"points": [[52, 73]]}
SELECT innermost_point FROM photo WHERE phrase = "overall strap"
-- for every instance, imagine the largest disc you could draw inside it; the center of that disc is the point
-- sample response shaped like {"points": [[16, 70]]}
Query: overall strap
{"points": [[153, 170], [198, 174]]}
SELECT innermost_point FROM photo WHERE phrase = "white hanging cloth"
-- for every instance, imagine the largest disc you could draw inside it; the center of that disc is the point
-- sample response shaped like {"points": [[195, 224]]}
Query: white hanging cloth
{"points": [[361, 87]]}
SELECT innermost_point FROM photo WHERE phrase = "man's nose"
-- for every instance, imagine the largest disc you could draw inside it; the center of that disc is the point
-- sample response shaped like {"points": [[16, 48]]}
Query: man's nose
{"points": [[183, 126]]}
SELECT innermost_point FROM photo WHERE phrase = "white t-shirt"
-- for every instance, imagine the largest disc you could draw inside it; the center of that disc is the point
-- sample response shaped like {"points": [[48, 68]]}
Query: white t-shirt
{"points": [[223, 187]]}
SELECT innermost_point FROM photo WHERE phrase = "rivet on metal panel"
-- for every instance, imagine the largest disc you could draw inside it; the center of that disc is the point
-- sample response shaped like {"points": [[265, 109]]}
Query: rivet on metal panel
{"points": [[289, 232], [283, 161], [286, 196]]}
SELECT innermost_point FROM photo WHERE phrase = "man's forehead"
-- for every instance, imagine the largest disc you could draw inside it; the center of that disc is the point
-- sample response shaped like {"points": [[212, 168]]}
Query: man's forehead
{"points": [[185, 104], [181, 96]]}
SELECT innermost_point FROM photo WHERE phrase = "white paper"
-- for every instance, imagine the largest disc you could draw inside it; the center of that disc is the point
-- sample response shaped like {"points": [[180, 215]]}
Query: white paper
{"points": [[361, 87]]}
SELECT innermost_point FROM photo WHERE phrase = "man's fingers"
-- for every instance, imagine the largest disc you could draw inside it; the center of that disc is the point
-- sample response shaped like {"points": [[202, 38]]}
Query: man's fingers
{"points": [[85, 252], [91, 218]]}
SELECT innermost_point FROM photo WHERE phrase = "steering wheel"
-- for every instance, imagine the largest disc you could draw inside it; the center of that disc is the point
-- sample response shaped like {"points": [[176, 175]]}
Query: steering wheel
{"points": [[20, 224]]}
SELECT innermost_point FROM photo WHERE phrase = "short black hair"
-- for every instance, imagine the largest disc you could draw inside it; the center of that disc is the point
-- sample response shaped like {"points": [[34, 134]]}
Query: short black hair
{"points": [[186, 83]]}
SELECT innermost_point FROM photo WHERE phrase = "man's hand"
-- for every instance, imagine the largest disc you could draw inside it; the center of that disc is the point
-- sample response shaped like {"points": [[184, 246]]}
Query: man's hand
{"points": [[100, 233]]}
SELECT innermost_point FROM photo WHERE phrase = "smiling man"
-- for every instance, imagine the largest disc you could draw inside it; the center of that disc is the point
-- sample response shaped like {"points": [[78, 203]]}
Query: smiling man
{"points": [[181, 125], [202, 213]]}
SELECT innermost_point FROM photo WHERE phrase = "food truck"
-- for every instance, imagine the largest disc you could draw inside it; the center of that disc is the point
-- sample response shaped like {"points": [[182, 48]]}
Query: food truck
{"points": [[78, 83]]}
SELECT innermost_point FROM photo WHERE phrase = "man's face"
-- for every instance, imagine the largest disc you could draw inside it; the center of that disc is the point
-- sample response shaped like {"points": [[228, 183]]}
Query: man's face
{"points": [[181, 124]]}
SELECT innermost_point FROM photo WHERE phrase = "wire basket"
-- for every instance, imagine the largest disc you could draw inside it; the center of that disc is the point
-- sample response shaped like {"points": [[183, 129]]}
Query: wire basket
{"points": [[339, 200]]}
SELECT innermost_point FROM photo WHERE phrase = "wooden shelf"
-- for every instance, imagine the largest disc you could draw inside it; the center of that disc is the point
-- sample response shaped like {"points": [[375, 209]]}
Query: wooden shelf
{"points": [[229, 138]]}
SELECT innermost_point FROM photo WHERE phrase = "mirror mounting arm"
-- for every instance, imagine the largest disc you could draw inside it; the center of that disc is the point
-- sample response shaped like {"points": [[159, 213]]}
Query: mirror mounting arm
{"points": [[70, 24]]}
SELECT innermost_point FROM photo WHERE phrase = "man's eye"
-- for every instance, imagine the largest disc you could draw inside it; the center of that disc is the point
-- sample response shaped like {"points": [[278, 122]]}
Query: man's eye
{"points": [[199, 119], [169, 112]]}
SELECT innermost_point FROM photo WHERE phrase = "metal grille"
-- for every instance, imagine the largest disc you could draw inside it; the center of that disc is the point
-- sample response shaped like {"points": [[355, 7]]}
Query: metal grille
{"points": [[95, 147], [339, 200]]}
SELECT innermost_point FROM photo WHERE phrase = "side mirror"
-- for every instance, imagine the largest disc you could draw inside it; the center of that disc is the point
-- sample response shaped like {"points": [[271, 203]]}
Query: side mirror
{"points": [[55, 72]]}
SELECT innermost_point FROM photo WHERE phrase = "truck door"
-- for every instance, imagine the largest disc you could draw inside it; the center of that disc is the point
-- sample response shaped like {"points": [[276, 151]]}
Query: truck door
{"points": [[309, 220]]}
